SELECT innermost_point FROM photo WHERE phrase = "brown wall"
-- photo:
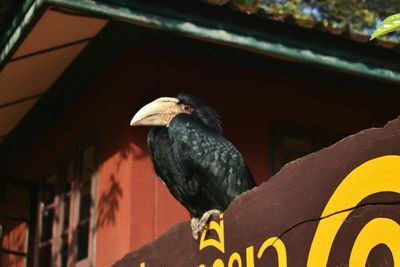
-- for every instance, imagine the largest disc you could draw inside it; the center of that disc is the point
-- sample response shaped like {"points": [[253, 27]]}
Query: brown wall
{"points": [[133, 206]]}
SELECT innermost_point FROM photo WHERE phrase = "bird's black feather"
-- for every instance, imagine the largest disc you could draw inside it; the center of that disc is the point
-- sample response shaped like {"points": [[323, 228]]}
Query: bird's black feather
{"points": [[200, 167]]}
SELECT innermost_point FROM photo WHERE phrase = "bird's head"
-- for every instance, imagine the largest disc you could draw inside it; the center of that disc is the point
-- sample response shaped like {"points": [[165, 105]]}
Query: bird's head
{"points": [[161, 111]]}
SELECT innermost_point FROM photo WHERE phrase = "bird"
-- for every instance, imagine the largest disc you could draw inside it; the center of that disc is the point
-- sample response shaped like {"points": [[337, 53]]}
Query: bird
{"points": [[202, 169]]}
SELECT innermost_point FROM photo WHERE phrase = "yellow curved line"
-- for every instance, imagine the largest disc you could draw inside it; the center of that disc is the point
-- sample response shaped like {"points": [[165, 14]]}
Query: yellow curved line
{"points": [[377, 231], [279, 247], [218, 263], [235, 257], [377, 175]]}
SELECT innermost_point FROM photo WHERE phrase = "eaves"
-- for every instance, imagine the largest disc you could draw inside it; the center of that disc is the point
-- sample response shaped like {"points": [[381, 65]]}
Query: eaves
{"points": [[223, 31]]}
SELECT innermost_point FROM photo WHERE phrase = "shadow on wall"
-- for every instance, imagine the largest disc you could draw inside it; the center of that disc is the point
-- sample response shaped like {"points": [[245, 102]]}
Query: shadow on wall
{"points": [[109, 203], [131, 146], [135, 151], [136, 145]]}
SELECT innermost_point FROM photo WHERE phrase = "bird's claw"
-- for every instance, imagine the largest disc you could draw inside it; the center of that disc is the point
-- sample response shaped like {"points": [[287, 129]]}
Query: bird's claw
{"points": [[194, 222], [198, 225]]}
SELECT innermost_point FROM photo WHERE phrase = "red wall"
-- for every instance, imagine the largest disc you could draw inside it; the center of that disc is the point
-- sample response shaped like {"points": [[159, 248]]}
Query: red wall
{"points": [[134, 207], [14, 240]]}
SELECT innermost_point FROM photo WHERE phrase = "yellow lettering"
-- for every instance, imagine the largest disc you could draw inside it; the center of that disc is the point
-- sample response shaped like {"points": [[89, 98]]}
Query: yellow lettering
{"points": [[235, 257], [377, 231], [250, 257], [219, 229], [374, 176], [218, 263], [280, 248]]}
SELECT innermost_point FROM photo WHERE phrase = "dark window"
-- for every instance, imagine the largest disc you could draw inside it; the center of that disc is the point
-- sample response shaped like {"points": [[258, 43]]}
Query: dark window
{"points": [[45, 255], [288, 143]]}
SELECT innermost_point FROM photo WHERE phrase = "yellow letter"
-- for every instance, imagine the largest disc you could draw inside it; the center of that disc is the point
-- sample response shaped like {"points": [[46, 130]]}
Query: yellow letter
{"points": [[279, 247], [377, 175], [377, 231], [218, 263], [235, 257], [219, 228], [250, 256]]}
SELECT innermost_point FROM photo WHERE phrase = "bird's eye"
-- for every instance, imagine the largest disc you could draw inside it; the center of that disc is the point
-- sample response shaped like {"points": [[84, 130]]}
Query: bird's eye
{"points": [[187, 109]]}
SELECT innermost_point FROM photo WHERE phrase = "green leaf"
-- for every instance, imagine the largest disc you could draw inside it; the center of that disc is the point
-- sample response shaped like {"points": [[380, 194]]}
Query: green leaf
{"points": [[390, 24]]}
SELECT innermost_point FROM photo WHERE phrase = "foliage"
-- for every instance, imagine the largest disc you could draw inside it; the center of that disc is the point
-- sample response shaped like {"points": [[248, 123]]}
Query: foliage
{"points": [[390, 24], [356, 15]]}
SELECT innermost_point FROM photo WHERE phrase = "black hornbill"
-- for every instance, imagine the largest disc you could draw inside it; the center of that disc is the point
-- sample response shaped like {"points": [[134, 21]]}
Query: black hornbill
{"points": [[200, 167]]}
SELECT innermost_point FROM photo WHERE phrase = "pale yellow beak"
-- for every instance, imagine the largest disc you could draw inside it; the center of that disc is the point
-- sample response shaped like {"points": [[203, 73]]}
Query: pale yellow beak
{"points": [[157, 113]]}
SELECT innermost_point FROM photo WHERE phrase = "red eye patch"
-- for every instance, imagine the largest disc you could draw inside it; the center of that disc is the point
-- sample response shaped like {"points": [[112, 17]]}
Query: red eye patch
{"points": [[187, 109]]}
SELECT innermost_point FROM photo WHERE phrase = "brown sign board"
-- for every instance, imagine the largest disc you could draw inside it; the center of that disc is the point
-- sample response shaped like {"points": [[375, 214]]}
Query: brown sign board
{"points": [[336, 207]]}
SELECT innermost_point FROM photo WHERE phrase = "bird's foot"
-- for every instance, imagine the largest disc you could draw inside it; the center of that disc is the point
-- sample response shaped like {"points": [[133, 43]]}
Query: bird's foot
{"points": [[198, 225], [194, 222]]}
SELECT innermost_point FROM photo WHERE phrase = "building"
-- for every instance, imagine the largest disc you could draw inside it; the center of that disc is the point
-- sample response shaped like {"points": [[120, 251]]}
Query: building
{"points": [[77, 185]]}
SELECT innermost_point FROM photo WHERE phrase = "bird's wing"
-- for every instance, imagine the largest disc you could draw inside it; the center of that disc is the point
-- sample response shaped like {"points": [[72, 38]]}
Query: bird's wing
{"points": [[207, 156], [162, 156]]}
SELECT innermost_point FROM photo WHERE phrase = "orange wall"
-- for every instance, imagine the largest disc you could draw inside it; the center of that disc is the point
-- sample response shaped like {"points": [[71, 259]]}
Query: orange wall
{"points": [[14, 239], [14, 203], [134, 207]]}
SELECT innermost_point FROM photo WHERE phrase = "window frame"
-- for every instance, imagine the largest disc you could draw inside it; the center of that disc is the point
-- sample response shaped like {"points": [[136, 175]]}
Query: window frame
{"points": [[74, 206]]}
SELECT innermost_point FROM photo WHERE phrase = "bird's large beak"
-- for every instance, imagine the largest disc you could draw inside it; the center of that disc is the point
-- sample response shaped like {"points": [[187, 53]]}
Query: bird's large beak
{"points": [[157, 113]]}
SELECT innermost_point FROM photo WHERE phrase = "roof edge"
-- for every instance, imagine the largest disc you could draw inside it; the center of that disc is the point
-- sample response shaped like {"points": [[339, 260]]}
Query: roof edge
{"points": [[225, 36], [18, 28], [229, 37]]}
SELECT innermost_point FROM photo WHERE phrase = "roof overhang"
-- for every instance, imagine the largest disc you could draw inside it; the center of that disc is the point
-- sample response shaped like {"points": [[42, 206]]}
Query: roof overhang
{"points": [[217, 32], [39, 58]]}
